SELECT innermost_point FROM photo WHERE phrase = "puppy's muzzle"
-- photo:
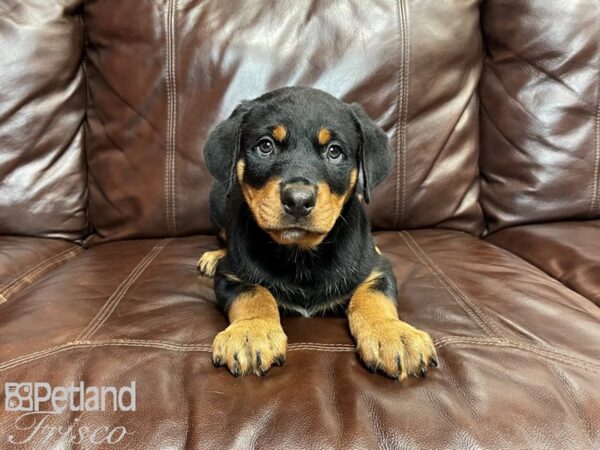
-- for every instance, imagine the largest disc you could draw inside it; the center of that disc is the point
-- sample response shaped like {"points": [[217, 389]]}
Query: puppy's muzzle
{"points": [[298, 198]]}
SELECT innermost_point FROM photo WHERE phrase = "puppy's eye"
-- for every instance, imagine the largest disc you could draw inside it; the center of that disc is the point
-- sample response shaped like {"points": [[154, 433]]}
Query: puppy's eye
{"points": [[265, 147], [334, 153]]}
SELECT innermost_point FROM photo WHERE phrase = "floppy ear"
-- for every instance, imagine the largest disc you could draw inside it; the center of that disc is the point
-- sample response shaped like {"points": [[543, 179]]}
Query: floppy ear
{"points": [[375, 158], [223, 146]]}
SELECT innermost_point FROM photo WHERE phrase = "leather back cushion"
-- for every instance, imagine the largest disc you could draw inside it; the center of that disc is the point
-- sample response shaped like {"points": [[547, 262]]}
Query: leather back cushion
{"points": [[42, 109], [540, 119], [163, 74]]}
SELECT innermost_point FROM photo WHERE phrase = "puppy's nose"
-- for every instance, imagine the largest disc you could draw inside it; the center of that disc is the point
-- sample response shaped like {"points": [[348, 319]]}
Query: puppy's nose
{"points": [[298, 199]]}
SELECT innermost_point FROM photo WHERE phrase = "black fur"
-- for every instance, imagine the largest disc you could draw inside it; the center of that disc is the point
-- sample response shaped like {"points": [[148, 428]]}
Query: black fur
{"points": [[375, 158], [311, 281]]}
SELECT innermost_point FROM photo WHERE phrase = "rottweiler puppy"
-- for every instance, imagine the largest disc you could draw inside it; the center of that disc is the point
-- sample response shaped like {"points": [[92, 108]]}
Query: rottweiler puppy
{"points": [[291, 169]]}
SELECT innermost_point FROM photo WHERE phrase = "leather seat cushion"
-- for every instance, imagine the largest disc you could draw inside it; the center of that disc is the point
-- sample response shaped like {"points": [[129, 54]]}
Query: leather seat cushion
{"points": [[540, 150], [43, 171], [519, 352], [568, 251]]}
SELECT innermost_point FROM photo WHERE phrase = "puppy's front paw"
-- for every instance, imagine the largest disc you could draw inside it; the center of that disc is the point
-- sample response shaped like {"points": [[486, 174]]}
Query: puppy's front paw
{"points": [[250, 346], [395, 348], [207, 264]]}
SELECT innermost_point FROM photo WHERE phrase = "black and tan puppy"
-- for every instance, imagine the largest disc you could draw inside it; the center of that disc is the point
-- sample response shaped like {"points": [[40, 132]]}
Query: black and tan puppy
{"points": [[291, 168]]}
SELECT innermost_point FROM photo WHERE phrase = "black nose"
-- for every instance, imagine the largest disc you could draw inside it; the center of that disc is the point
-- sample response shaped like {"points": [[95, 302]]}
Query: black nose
{"points": [[298, 199]]}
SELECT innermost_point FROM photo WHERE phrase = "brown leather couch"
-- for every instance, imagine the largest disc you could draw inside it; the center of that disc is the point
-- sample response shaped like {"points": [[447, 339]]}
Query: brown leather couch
{"points": [[491, 219]]}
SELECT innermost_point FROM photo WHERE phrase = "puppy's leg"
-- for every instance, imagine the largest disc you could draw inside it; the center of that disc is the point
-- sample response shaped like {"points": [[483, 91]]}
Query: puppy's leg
{"points": [[254, 340], [207, 264], [383, 341]]}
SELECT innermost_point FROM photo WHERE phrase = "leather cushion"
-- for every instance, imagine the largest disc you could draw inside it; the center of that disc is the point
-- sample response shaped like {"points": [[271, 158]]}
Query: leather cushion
{"points": [[413, 65], [540, 113], [43, 178], [567, 251], [510, 338]]}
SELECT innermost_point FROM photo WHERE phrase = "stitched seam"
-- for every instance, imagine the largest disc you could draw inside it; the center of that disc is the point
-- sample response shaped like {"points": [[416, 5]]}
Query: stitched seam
{"points": [[402, 105], [173, 117], [322, 349], [595, 187], [448, 341], [170, 139], [84, 62], [443, 281], [405, 71], [458, 339], [151, 344], [120, 292], [186, 348], [37, 272], [321, 346], [529, 347], [168, 88], [552, 354], [399, 118], [169, 116], [489, 322], [33, 276], [112, 302], [545, 355], [41, 264]]}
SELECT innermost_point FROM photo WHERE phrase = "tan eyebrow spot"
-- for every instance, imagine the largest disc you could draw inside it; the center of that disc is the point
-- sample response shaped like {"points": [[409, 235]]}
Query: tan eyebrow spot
{"points": [[279, 133], [324, 136]]}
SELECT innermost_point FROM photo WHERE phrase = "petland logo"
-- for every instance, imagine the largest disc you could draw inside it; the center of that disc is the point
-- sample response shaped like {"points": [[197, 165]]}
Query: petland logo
{"points": [[38, 396], [40, 401]]}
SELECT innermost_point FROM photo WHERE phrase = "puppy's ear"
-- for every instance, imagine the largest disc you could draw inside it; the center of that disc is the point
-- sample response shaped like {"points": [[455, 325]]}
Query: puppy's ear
{"points": [[223, 146], [375, 158]]}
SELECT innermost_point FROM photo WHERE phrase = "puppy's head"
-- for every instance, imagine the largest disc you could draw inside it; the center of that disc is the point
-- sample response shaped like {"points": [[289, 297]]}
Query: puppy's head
{"points": [[298, 154]]}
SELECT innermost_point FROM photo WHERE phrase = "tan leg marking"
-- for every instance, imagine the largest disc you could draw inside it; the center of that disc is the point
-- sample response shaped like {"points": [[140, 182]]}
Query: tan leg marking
{"points": [[207, 264], [254, 341], [383, 341]]}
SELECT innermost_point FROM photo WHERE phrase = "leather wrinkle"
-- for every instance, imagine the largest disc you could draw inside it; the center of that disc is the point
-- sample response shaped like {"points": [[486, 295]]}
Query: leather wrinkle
{"points": [[498, 130], [512, 98], [545, 72]]}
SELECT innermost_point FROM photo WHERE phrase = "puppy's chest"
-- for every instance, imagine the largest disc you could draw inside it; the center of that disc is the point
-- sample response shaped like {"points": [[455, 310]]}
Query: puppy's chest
{"points": [[312, 296], [319, 308]]}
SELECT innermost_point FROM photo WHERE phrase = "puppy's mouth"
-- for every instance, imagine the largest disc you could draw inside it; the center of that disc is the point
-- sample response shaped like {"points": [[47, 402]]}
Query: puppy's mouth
{"points": [[303, 237], [293, 233]]}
